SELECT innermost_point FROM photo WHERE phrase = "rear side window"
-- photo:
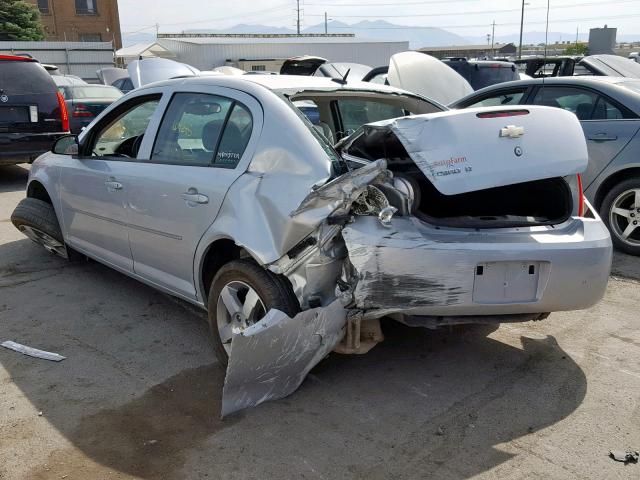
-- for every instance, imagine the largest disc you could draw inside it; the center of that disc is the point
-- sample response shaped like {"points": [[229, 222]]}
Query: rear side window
{"points": [[576, 100], [355, 113], [22, 78], [203, 130], [501, 99]]}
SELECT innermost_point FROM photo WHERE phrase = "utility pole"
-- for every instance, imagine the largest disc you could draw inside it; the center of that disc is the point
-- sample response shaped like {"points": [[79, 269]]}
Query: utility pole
{"points": [[326, 26], [493, 38], [157, 30], [298, 14], [577, 28], [521, 27]]}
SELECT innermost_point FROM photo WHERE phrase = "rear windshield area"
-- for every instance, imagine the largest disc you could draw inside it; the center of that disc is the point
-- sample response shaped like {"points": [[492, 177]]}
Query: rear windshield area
{"points": [[108, 93], [19, 78]]}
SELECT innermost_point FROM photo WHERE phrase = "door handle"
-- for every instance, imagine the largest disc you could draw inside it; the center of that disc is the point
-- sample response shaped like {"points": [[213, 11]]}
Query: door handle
{"points": [[192, 197], [602, 137], [111, 184]]}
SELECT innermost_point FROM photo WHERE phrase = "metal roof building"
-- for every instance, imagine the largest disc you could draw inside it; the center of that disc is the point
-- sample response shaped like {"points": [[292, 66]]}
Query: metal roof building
{"points": [[209, 51]]}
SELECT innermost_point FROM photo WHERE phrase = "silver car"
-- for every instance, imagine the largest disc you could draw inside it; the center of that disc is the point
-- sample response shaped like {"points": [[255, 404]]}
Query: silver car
{"points": [[220, 191]]}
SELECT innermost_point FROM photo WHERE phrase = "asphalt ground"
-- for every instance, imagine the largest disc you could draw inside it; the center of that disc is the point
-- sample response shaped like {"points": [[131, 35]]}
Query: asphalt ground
{"points": [[139, 393]]}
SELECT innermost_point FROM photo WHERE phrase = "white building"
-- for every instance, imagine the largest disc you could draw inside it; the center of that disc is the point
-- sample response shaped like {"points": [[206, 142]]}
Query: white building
{"points": [[208, 51]]}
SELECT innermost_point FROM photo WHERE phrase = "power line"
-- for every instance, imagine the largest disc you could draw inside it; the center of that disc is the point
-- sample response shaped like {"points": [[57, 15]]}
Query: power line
{"points": [[484, 12]]}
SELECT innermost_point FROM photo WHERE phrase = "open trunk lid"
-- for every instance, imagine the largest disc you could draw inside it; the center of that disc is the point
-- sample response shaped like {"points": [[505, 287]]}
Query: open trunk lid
{"points": [[475, 149], [149, 70], [305, 65]]}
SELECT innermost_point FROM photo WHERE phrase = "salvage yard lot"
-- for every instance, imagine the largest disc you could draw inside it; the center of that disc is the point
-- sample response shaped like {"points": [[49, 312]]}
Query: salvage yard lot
{"points": [[139, 393]]}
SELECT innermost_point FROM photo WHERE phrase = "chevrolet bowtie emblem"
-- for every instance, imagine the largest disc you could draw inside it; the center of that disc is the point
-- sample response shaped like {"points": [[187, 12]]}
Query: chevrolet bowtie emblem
{"points": [[511, 131]]}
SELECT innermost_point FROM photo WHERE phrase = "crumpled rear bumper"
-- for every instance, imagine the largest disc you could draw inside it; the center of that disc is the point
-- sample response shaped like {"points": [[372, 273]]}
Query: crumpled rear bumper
{"points": [[415, 269]]}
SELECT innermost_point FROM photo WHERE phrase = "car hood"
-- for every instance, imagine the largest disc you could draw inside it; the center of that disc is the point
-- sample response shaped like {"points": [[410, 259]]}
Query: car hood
{"points": [[427, 76], [612, 65], [149, 70], [110, 74]]}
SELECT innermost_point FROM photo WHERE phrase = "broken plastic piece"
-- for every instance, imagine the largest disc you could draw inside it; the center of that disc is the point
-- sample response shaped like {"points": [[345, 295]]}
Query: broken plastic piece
{"points": [[32, 352], [270, 359], [629, 456]]}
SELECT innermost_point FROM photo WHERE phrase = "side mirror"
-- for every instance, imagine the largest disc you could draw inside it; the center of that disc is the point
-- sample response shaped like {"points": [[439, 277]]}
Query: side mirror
{"points": [[67, 145]]}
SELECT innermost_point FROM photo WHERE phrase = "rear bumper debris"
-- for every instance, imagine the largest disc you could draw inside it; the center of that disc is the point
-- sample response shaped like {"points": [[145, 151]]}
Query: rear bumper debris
{"points": [[270, 359]]}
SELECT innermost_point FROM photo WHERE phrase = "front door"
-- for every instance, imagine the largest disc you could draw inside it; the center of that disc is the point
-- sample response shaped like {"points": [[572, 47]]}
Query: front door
{"points": [[95, 184], [204, 143]]}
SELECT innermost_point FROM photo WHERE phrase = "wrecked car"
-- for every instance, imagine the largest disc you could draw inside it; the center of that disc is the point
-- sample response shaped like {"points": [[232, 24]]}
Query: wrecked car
{"points": [[297, 237]]}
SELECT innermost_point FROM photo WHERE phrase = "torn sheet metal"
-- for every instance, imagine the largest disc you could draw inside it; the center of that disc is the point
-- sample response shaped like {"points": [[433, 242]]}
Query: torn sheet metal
{"points": [[32, 352], [270, 359], [462, 151]]}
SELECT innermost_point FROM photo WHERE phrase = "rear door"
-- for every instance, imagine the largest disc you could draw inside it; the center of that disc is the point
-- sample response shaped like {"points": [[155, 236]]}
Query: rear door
{"points": [[95, 184], [204, 143], [608, 126]]}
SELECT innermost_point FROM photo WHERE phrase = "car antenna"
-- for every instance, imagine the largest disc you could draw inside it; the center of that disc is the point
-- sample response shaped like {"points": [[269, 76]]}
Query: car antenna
{"points": [[343, 80], [546, 41]]}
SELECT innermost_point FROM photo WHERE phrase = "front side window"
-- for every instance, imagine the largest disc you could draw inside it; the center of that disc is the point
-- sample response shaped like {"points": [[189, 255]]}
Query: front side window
{"points": [[500, 100], [122, 136], [86, 7], [203, 130], [576, 100]]}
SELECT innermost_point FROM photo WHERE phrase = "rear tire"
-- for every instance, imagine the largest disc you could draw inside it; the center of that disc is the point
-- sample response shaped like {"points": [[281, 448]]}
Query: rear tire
{"points": [[38, 221], [616, 211], [239, 277]]}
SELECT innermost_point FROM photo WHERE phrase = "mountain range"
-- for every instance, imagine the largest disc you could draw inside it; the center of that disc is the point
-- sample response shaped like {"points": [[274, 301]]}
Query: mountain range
{"points": [[418, 36]]}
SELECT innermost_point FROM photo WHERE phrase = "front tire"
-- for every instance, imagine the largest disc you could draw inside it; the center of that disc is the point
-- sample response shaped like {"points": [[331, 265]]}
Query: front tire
{"points": [[37, 220], [241, 294], [621, 213]]}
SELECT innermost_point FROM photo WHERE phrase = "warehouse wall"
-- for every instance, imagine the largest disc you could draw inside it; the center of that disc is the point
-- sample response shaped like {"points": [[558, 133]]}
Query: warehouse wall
{"points": [[76, 58], [209, 55]]}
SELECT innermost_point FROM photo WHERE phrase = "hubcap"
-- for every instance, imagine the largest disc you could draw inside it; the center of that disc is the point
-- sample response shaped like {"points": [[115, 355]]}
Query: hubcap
{"points": [[625, 215], [47, 241], [239, 306]]}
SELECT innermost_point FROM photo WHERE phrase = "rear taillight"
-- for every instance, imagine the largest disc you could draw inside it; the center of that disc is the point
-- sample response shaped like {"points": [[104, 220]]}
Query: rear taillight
{"points": [[502, 114], [81, 110], [581, 209], [64, 115]]}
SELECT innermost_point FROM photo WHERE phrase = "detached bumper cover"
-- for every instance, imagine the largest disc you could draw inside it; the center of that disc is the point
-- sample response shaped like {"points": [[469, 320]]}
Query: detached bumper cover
{"points": [[415, 269], [270, 359]]}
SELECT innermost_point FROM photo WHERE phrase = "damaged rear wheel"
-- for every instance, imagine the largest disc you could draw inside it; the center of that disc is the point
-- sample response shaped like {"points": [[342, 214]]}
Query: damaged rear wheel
{"points": [[241, 294]]}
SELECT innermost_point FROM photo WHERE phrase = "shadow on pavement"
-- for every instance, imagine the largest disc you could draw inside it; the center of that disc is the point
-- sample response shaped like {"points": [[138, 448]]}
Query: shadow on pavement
{"points": [[13, 178], [627, 266], [140, 391]]}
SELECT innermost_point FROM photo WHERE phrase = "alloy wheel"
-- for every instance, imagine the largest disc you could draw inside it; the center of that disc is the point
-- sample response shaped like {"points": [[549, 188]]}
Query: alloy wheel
{"points": [[47, 241], [624, 217], [238, 307]]}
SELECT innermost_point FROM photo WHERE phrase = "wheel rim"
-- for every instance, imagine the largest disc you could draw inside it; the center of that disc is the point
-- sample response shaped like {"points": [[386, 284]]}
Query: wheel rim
{"points": [[625, 215], [47, 241], [239, 306]]}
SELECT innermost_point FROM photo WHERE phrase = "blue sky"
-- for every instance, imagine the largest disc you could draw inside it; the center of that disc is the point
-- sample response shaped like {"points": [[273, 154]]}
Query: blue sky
{"points": [[464, 17]]}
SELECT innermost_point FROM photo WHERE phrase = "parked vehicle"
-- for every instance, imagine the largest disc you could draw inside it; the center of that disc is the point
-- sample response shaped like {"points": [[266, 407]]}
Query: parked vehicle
{"points": [[86, 102], [125, 85], [33, 114], [597, 65], [609, 110], [304, 65], [483, 73], [338, 71], [219, 191]]}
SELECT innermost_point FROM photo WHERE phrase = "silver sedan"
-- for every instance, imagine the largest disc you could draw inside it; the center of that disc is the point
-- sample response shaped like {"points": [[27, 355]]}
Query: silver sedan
{"points": [[264, 201]]}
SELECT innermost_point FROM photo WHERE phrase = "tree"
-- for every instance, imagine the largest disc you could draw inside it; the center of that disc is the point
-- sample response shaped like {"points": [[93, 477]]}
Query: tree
{"points": [[577, 49], [20, 20]]}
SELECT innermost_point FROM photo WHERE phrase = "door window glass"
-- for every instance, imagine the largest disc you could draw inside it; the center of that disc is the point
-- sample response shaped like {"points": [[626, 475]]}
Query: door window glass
{"points": [[123, 136], [504, 98], [192, 131], [606, 111], [576, 100], [235, 137]]}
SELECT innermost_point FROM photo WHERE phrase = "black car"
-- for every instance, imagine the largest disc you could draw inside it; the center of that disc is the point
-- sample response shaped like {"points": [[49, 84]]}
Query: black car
{"points": [[483, 73], [33, 114], [593, 65], [86, 102]]}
